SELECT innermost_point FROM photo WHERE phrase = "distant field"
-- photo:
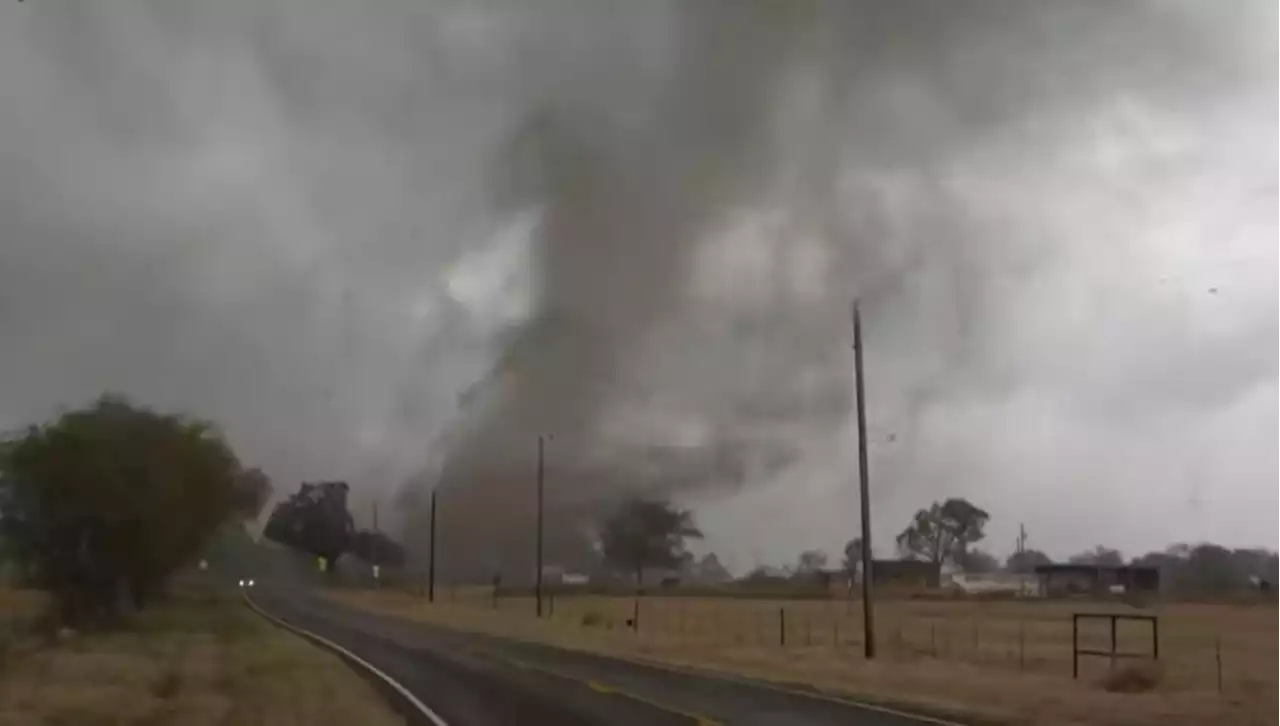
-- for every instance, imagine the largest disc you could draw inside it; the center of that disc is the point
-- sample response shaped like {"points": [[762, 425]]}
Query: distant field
{"points": [[188, 662], [21, 604], [1009, 658]]}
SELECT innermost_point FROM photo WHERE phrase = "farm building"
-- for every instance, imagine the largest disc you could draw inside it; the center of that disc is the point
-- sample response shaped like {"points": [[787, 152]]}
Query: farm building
{"points": [[908, 573], [1079, 579]]}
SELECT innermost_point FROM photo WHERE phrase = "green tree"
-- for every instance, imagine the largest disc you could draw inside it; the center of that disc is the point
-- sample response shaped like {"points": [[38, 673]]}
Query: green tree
{"points": [[709, 570], [315, 520], [852, 561], [978, 562], [114, 498], [810, 562], [1026, 561], [643, 534], [1099, 556], [943, 532]]}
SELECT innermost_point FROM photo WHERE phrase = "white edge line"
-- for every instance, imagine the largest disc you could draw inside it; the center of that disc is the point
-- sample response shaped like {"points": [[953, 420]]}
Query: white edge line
{"points": [[778, 687], [432, 716]]}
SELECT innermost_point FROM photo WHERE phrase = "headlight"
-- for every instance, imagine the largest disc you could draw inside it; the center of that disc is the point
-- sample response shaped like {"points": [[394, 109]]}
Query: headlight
{"points": [[251, 583], [242, 583]]}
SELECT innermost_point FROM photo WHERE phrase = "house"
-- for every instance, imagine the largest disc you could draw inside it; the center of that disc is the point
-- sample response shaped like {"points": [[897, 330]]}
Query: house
{"points": [[559, 575], [1057, 580], [900, 573], [991, 583]]}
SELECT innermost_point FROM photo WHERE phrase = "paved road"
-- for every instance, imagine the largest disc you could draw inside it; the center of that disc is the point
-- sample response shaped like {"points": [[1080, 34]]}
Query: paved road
{"points": [[477, 680]]}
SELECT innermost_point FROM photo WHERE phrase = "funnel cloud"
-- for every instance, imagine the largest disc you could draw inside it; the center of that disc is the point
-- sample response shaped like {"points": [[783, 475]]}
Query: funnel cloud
{"points": [[397, 247]]}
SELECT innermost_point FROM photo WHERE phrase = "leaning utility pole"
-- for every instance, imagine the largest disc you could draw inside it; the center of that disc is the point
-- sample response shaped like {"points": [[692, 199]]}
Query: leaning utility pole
{"points": [[373, 554], [868, 617], [537, 576], [431, 558]]}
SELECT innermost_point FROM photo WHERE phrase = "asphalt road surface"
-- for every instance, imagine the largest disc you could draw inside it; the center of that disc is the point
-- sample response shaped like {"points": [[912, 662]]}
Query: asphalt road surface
{"points": [[478, 680]]}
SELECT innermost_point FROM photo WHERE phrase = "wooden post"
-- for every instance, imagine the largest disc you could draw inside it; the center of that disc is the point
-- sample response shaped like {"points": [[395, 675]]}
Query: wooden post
{"points": [[1217, 647], [1113, 642], [431, 562], [1022, 645], [537, 575], [868, 618], [782, 626], [1075, 646]]}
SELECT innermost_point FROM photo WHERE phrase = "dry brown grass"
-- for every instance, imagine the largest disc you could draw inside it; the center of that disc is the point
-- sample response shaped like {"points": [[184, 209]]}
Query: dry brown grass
{"points": [[21, 604], [190, 663], [1006, 659]]}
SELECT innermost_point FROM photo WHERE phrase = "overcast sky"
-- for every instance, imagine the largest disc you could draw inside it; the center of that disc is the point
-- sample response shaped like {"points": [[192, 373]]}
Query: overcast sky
{"points": [[279, 215]]}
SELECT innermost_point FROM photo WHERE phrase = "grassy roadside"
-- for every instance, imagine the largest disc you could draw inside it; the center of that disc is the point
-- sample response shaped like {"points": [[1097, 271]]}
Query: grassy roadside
{"points": [[958, 687], [191, 661]]}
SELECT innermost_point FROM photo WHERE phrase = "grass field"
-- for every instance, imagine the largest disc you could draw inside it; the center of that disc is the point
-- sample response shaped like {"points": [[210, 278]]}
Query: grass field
{"points": [[1007, 659], [189, 662]]}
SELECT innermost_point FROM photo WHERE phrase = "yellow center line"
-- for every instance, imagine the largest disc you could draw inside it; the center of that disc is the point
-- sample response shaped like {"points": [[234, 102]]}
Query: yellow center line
{"points": [[697, 718], [598, 687]]}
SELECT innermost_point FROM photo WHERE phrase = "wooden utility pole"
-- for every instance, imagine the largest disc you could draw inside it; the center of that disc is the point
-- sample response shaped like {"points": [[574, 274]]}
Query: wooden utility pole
{"points": [[431, 558], [374, 553], [868, 615], [537, 577]]}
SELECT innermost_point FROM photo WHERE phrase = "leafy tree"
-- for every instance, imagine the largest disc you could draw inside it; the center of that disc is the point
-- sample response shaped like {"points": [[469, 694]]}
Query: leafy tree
{"points": [[644, 534], [314, 520], [1026, 561], [377, 548], [852, 561], [811, 561], [1099, 556], [764, 574], [978, 562], [114, 497], [1211, 568], [709, 570], [943, 532]]}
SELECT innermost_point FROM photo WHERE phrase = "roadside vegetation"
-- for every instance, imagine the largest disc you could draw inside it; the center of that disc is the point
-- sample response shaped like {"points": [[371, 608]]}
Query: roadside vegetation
{"points": [[188, 661], [102, 505], [105, 617]]}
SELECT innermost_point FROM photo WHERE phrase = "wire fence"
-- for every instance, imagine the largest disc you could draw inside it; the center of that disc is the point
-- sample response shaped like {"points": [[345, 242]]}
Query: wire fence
{"points": [[1231, 648]]}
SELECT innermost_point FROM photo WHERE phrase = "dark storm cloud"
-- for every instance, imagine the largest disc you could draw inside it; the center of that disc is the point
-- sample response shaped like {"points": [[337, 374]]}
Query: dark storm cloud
{"points": [[319, 224]]}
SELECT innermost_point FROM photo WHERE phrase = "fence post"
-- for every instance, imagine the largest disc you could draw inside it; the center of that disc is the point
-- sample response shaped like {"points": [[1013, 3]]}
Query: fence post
{"points": [[1113, 642], [933, 637], [782, 626], [1022, 645], [1217, 647], [635, 614], [1075, 645]]}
